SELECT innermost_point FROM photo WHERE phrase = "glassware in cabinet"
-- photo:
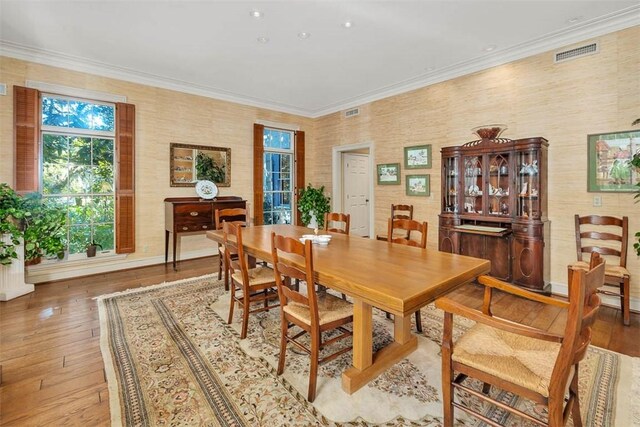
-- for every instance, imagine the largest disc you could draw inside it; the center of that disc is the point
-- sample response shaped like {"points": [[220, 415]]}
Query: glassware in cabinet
{"points": [[450, 202], [528, 184], [473, 184]]}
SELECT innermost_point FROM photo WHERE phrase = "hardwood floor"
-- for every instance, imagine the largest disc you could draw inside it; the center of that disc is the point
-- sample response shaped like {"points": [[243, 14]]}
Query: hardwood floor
{"points": [[52, 368]]}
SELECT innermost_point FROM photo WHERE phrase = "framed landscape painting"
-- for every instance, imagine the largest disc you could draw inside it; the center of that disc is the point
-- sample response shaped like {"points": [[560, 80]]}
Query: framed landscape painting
{"points": [[418, 185], [389, 174], [610, 167], [417, 157]]}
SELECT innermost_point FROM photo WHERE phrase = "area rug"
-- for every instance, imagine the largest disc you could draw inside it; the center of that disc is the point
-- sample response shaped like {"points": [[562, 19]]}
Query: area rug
{"points": [[171, 359]]}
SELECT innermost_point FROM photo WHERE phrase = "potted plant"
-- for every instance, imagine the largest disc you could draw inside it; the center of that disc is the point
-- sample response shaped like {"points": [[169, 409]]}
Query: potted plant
{"points": [[11, 224], [313, 204], [92, 248], [44, 229], [635, 162]]}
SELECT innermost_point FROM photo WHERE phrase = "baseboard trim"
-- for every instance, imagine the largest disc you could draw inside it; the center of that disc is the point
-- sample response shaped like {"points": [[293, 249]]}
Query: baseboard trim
{"points": [[563, 290], [60, 272]]}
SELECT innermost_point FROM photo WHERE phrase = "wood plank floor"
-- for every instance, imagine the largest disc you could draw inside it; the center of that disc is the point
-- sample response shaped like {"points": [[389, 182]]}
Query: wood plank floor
{"points": [[52, 368]]}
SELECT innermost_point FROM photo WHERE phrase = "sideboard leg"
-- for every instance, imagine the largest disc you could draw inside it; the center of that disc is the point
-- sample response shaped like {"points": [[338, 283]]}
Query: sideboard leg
{"points": [[166, 246], [175, 241]]}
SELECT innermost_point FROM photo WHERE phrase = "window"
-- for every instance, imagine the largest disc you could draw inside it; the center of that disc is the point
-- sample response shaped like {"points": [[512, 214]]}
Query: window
{"points": [[277, 176], [78, 173]]}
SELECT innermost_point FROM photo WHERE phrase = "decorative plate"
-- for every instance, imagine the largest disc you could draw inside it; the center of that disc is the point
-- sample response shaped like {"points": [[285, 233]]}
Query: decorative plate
{"points": [[206, 189]]}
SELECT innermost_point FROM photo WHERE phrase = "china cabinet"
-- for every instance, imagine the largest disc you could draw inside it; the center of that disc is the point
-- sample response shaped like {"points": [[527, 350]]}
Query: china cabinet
{"points": [[494, 206]]}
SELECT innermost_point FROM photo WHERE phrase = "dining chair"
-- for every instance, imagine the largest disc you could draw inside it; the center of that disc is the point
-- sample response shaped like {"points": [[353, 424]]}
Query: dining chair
{"points": [[398, 212], [608, 236], [538, 365], [337, 217], [408, 225], [314, 312], [248, 286], [237, 215]]}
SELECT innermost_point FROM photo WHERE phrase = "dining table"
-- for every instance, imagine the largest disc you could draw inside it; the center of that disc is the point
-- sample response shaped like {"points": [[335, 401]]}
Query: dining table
{"points": [[398, 279]]}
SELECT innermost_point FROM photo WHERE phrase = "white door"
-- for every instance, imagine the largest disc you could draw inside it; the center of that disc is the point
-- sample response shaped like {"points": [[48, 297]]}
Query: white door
{"points": [[355, 191]]}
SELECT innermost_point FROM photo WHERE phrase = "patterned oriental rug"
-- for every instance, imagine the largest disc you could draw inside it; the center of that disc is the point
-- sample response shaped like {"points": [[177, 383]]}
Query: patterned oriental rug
{"points": [[171, 359]]}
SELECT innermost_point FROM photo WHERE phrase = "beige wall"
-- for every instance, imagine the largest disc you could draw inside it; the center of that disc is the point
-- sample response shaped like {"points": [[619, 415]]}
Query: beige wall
{"points": [[162, 116], [534, 97]]}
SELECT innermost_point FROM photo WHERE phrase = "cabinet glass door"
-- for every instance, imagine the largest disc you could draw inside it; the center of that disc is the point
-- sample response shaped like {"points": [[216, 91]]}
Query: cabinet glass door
{"points": [[528, 184], [499, 185], [473, 185], [450, 202]]}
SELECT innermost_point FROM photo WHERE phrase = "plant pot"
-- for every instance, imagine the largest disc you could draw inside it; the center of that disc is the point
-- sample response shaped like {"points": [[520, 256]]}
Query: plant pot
{"points": [[91, 250], [33, 261]]}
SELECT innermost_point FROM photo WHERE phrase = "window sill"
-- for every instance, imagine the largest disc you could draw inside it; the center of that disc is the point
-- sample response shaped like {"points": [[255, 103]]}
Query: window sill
{"points": [[48, 264]]}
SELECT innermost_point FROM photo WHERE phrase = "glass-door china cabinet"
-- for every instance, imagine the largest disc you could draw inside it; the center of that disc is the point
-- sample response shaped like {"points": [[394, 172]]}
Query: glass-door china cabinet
{"points": [[494, 207]]}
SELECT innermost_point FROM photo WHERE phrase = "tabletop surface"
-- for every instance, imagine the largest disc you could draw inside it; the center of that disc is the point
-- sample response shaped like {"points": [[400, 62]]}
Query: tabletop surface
{"points": [[397, 278]]}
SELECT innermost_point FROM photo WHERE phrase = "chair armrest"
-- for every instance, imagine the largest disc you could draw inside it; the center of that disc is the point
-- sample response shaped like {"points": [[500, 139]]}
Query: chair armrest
{"points": [[492, 282], [454, 307]]}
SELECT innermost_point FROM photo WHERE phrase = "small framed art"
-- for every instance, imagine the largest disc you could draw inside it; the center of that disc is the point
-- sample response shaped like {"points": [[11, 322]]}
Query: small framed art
{"points": [[389, 174], [417, 157], [418, 185], [610, 157]]}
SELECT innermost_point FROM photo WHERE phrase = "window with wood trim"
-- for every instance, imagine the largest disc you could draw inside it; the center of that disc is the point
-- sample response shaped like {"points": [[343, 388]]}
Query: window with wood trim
{"points": [[278, 174], [83, 152]]}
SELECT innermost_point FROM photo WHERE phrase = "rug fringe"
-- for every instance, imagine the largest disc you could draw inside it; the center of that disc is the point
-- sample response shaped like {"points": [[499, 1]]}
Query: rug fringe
{"points": [[153, 287]]}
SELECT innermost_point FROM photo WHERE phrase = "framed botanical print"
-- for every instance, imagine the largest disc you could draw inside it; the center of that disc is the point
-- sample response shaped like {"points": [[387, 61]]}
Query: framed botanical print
{"points": [[389, 174], [610, 155], [418, 185], [417, 157]]}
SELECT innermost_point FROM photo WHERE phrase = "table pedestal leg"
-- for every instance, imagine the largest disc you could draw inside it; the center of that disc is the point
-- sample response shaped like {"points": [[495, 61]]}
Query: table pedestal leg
{"points": [[367, 366]]}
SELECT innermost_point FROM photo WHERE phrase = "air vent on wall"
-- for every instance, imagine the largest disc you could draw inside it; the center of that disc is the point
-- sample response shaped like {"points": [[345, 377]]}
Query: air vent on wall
{"points": [[577, 52], [352, 112]]}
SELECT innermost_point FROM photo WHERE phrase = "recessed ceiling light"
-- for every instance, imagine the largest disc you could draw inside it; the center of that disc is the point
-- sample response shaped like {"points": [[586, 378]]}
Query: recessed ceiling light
{"points": [[490, 48], [304, 35], [574, 19], [263, 40], [256, 13], [347, 24]]}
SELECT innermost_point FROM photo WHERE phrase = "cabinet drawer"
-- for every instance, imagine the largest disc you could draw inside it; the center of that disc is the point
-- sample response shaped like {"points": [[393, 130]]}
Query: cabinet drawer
{"points": [[194, 213], [185, 227], [527, 229]]}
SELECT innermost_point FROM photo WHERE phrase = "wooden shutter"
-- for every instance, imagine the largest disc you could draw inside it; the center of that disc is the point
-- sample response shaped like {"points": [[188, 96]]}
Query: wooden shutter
{"points": [[258, 159], [125, 178], [300, 183], [26, 110]]}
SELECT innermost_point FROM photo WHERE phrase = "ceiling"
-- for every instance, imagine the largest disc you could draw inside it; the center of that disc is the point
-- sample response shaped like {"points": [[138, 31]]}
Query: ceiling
{"points": [[211, 48]]}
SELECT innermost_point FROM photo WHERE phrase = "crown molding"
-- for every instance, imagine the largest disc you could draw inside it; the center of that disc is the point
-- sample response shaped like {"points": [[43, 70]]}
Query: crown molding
{"points": [[617, 21], [75, 63]]}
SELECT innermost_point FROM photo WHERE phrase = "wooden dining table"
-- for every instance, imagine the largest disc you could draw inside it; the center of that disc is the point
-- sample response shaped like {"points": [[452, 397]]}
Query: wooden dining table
{"points": [[395, 278]]}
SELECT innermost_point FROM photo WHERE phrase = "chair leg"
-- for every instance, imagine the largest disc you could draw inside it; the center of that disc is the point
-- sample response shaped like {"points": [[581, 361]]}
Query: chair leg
{"points": [[556, 413], [447, 374], [219, 265], [569, 278], [284, 329], [575, 411], [418, 321], [226, 275], [232, 303], [624, 300], [313, 371], [486, 388], [245, 315]]}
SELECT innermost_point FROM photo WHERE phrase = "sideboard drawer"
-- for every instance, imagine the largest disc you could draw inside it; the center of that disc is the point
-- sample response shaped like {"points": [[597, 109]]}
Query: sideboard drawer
{"points": [[194, 213], [185, 227]]}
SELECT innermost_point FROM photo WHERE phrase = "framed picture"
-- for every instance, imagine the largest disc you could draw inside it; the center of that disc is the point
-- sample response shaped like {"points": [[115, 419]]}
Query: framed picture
{"points": [[417, 157], [389, 174], [610, 162], [418, 185]]}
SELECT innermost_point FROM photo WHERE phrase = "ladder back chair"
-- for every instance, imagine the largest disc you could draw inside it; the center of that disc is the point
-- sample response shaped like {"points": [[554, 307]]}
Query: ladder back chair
{"points": [[609, 236], [237, 216], [248, 286], [337, 217], [529, 362], [399, 212], [409, 225], [313, 313]]}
